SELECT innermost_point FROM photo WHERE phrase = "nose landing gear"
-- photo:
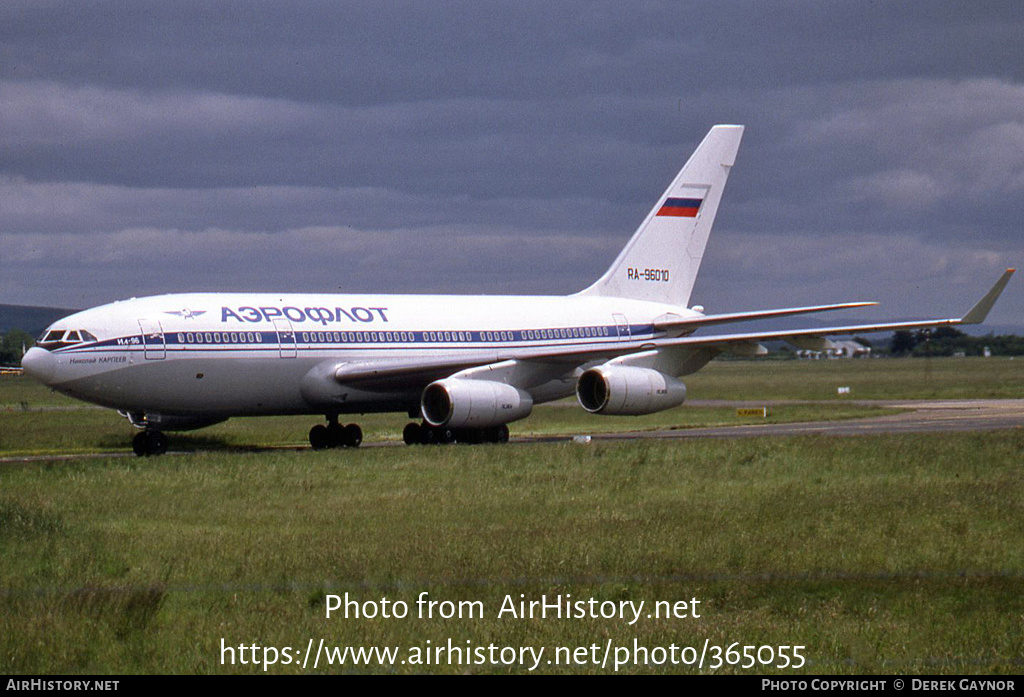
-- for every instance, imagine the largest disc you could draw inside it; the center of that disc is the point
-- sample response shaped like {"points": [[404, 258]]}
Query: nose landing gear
{"points": [[149, 442]]}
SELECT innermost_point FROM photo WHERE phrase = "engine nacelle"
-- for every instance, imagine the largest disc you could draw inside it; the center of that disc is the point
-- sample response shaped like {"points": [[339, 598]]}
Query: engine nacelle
{"points": [[628, 390], [466, 403]]}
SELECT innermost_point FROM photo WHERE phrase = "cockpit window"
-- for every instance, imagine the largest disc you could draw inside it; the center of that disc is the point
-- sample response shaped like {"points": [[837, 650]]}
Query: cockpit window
{"points": [[59, 338]]}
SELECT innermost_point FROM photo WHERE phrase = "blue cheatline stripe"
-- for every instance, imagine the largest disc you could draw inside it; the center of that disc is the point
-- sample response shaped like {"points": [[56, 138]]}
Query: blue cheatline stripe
{"points": [[306, 338]]}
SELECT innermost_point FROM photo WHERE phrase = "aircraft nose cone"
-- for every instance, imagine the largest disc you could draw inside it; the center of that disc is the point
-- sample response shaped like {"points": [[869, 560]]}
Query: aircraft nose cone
{"points": [[40, 364]]}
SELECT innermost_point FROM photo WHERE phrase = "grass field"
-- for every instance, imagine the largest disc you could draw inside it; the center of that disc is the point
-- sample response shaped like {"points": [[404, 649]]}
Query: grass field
{"points": [[35, 421], [879, 554], [70, 426], [89, 430], [919, 378]]}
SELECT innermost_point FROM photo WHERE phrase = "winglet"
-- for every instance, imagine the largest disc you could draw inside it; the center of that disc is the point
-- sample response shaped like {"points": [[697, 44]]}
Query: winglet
{"points": [[979, 312]]}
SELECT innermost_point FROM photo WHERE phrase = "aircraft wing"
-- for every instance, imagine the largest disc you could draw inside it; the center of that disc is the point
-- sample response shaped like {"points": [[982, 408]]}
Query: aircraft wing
{"points": [[976, 315], [408, 371], [419, 372]]}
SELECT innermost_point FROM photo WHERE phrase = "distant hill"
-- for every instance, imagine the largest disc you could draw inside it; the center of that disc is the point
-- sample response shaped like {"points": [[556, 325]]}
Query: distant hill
{"points": [[30, 319]]}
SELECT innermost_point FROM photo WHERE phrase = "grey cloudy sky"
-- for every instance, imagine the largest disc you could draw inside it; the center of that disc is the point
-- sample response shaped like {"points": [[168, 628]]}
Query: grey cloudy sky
{"points": [[477, 147]]}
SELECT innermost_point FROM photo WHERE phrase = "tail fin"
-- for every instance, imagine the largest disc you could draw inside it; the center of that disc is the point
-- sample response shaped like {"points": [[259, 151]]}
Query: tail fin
{"points": [[660, 262]]}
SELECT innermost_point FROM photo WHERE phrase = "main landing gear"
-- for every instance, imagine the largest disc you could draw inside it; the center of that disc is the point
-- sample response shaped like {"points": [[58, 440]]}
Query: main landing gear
{"points": [[334, 435], [149, 442], [425, 434]]}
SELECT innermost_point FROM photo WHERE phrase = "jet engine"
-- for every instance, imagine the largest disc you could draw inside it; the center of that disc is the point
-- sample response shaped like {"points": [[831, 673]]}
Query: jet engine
{"points": [[466, 403], [628, 390]]}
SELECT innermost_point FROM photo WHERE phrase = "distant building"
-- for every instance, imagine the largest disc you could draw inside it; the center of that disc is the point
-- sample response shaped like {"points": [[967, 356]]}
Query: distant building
{"points": [[837, 349], [849, 349]]}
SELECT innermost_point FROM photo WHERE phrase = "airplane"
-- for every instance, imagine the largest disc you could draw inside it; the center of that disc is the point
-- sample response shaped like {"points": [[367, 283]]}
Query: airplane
{"points": [[467, 365]]}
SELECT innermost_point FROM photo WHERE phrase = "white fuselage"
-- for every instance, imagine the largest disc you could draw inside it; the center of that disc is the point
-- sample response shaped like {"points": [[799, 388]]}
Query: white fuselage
{"points": [[234, 354]]}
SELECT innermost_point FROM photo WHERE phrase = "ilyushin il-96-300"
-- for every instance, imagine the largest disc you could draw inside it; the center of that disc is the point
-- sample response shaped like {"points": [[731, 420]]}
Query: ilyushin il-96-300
{"points": [[463, 367]]}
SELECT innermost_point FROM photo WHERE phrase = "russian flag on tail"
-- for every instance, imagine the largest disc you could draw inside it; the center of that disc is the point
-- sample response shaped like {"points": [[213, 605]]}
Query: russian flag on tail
{"points": [[680, 207]]}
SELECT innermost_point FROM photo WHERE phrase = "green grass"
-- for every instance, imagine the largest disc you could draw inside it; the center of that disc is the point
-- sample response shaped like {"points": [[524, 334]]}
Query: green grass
{"points": [[35, 421], [903, 378], [88, 430], [22, 392], [918, 378], [880, 554]]}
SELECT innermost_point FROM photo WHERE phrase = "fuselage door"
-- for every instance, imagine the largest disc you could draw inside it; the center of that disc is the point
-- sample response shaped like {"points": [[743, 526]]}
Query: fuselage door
{"points": [[285, 338], [153, 342], [621, 327]]}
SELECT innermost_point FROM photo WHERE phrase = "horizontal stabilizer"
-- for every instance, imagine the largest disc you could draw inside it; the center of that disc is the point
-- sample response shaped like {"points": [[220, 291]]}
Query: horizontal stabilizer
{"points": [[689, 323]]}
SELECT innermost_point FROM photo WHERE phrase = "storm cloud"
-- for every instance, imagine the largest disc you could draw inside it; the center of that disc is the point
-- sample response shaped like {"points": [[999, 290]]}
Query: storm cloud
{"points": [[507, 147]]}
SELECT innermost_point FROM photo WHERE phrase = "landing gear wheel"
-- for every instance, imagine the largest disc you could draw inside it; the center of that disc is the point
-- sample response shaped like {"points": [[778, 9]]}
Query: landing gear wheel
{"points": [[158, 443], [149, 443], [319, 437], [425, 434], [139, 445], [428, 435], [435, 435], [352, 436], [335, 435], [413, 434]]}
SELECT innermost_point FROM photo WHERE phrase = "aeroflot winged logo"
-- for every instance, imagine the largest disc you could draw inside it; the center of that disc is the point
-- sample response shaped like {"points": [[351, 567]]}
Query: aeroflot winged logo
{"points": [[186, 313], [680, 207]]}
